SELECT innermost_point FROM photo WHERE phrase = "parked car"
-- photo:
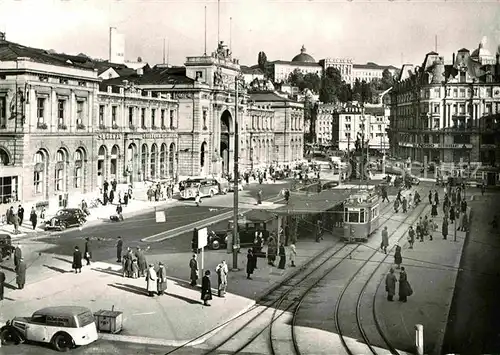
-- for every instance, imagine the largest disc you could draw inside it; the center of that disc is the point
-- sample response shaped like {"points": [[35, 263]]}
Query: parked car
{"points": [[64, 327], [231, 185], [6, 248], [330, 185], [65, 218]]}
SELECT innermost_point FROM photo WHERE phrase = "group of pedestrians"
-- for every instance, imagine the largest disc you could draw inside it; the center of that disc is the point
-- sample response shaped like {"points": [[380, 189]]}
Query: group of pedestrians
{"points": [[20, 268], [16, 217]]}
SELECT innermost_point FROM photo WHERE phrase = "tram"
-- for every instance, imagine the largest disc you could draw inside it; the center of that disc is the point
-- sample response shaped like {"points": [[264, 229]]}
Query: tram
{"points": [[361, 215]]}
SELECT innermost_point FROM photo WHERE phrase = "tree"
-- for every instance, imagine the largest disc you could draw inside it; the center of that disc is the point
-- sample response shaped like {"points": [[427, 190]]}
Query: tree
{"points": [[312, 82], [330, 85], [345, 92], [387, 80], [262, 61]]}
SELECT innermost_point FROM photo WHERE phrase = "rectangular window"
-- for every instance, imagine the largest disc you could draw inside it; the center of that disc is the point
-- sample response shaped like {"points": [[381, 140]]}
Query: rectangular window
{"points": [[204, 119], [462, 93], [455, 93], [80, 112], [362, 216], [101, 115], [162, 114], [38, 181], [114, 110], [143, 117], [40, 109], [131, 116], [61, 106], [153, 117], [353, 216], [379, 127], [172, 119], [78, 177], [347, 127], [487, 109], [3, 112]]}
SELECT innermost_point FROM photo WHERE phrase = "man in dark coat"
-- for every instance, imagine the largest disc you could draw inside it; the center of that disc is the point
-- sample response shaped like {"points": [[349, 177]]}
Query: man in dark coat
{"points": [[2, 282], [161, 279], [119, 249], [77, 260], [33, 218], [193, 266], [250, 263], [21, 274], [430, 197], [88, 251], [105, 185], [390, 285], [113, 185], [282, 254], [206, 288], [9, 214], [141, 262], [18, 254], [20, 214], [444, 228], [404, 286]]}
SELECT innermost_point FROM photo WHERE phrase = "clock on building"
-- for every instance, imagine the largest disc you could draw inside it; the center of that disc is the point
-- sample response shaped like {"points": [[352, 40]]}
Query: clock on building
{"points": [[496, 92]]}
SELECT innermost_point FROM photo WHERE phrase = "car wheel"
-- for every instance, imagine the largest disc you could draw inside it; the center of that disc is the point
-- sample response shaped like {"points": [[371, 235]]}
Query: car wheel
{"points": [[63, 226], [9, 337], [215, 245], [62, 342], [212, 193]]}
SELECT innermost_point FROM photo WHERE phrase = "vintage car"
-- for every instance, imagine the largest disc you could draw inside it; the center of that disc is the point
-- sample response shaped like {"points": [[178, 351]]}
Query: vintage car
{"points": [[64, 327], [241, 183], [6, 248], [247, 226], [67, 217], [206, 187]]}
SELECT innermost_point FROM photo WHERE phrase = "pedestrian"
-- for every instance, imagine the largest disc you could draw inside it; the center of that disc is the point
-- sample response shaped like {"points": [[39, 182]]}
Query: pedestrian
{"points": [[398, 259], [405, 289], [113, 185], [453, 197], [151, 284], [127, 263], [318, 231], [416, 198], [161, 275], [18, 254], [419, 231], [390, 285], [483, 189], [111, 196], [33, 217], [259, 195], [411, 237], [396, 205], [436, 197], [141, 262], [193, 266], [385, 240], [2, 282], [282, 254], [410, 202], [105, 185], [206, 288], [77, 260], [452, 214], [222, 271], [464, 224], [87, 255], [271, 251], [9, 214], [15, 222], [250, 263], [293, 255], [119, 211], [444, 228], [257, 245], [20, 214], [430, 197], [119, 248], [459, 196], [426, 228], [434, 211], [197, 199], [405, 205], [125, 199], [463, 206], [135, 269]]}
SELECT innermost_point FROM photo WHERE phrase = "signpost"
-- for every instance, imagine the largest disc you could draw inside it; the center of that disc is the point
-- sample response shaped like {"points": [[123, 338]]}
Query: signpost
{"points": [[161, 216], [202, 243]]}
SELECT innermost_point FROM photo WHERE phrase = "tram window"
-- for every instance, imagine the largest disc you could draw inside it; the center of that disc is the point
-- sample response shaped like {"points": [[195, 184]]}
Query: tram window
{"points": [[362, 215], [353, 216]]}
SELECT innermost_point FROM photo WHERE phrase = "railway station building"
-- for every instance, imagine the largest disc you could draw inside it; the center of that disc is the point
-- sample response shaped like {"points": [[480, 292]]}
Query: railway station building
{"points": [[64, 130]]}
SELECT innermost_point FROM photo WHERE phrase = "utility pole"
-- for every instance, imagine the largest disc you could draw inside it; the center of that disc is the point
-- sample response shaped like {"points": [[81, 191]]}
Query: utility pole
{"points": [[236, 177]]}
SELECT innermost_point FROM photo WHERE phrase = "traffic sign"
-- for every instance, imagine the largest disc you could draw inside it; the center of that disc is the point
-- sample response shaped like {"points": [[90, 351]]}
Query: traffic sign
{"points": [[202, 238]]}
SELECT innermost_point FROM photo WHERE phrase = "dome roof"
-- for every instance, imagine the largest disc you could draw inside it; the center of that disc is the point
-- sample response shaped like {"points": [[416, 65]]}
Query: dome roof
{"points": [[303, 57]]}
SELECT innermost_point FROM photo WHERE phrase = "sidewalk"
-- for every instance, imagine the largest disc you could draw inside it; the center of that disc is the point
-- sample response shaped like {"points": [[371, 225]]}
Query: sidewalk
{"points": [[169, 320], [432, 268]]}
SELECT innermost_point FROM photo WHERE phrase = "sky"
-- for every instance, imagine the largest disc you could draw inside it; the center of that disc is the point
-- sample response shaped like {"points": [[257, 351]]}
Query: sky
{"points": [[381, 31]]}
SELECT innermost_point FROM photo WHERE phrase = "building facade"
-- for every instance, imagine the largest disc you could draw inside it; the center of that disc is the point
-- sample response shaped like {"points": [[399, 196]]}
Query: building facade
{"points": [[344, 66], [370, 71], [354, 123], [63, 130], [325, 114], [302, 61], [448, 112]]}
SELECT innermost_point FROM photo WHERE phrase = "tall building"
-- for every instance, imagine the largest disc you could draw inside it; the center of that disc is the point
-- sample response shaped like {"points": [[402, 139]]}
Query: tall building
{"points": [[63, 130], [448, 112], [302, 61], [352, 123], [116, 46]]}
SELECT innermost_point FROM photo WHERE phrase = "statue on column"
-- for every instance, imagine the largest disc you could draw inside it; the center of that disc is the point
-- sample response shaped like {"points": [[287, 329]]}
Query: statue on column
{"points": [[218, 77]]}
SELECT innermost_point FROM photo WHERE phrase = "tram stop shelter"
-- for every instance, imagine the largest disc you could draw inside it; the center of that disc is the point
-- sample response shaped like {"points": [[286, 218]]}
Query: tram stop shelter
{"points": [[303, 211]]}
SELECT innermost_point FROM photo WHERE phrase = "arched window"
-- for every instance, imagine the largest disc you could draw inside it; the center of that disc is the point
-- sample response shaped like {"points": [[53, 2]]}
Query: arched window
{"points": [[60, 177], [4, 157], [79, 158], [203, 154], [171, 160], [153, 159], [144, 159], [113, 162], [39, 172], [163, 160]]}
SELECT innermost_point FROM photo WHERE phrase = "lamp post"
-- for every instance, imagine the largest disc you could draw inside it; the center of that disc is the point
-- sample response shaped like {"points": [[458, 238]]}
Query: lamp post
{"points": [[238, 80]]}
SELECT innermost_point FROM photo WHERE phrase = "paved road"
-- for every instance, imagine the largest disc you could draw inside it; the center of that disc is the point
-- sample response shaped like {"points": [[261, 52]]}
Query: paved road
{"points": [[474, 321]]}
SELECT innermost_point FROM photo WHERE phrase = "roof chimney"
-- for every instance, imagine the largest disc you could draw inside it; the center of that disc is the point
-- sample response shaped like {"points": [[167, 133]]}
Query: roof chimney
{"points": [[453, 59], [2, 36]]}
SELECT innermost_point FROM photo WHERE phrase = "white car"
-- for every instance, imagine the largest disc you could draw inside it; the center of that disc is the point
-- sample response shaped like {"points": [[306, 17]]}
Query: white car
{"points": [[64, 327]]}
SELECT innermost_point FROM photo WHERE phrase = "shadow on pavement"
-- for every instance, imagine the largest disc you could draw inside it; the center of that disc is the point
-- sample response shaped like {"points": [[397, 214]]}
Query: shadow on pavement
{"points": [[7, 268], [130, 288], [62, 259], [182, 298], [9, 286], [108, 271], [57, 269]]}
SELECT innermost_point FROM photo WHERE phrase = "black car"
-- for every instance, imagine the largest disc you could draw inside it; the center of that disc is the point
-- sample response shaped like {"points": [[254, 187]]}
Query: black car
{"points": [[218, 239], [65, 218], [6, 248]]}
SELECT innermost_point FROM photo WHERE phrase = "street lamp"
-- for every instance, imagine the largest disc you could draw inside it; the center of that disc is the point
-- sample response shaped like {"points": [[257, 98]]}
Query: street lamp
{"points": [[238, 80]]}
